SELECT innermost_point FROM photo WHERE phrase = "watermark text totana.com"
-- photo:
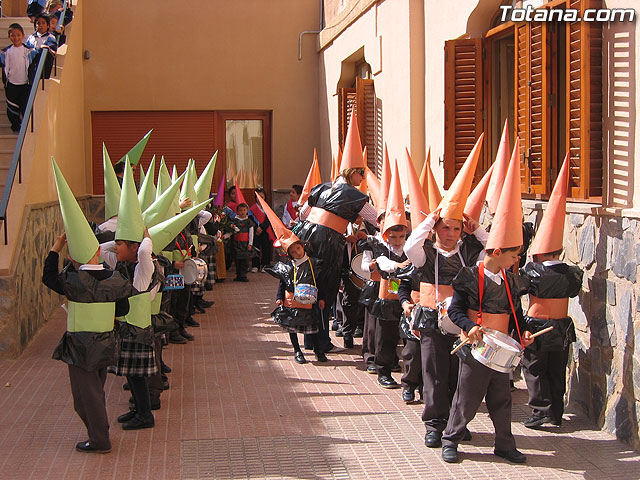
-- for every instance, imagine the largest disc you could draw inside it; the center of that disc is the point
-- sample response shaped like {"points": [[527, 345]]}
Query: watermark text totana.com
{"points": [[529, 14]]}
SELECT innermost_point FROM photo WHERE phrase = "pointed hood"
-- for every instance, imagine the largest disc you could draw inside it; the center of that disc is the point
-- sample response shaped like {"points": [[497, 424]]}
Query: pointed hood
{"points": [[136, 152], [176, 199], [188, 184], [417, 201], [163, 233], [239, 196], [385, 176], [81, 240], [219, 201], [142, 175], [333, 168], [394, 213], [203, 185], [453, 202], [147, 193], [352, 155], [506, 229], [375, 190], [429, 184], [284, 236], [550, 235], [112, 188], [162, 208], [313, 179], [475, 202], [164, 179], [501, 165], [130, 226]]}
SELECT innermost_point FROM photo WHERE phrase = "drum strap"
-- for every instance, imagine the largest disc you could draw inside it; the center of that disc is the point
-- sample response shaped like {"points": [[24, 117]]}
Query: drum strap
{"points": [[295, 274], [513, 310], [186, 253]]}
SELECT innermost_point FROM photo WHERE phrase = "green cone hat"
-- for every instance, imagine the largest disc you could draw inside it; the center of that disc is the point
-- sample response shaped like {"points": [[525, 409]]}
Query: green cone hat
{"points": [[142, 175], [147, 193], [188, 183], [81, 240], [136, 152], [111, 186], [130, 226], [203, 185], [162, 208], [163, 233], [164, 179], [176, 199]]}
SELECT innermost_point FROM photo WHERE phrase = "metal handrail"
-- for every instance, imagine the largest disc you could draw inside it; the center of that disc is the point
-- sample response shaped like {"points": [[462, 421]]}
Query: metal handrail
{"points": [[16, 159]]}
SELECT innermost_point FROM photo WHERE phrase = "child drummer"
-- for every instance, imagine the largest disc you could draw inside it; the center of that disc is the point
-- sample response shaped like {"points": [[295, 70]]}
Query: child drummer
{"points": [[488, 296], [296, 315], [551, 283]]}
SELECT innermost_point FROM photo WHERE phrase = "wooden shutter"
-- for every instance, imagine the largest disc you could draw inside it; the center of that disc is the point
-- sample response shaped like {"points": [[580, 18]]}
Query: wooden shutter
{"points": [[584, 104], [463, 108], [366, 101], [346, 103]]}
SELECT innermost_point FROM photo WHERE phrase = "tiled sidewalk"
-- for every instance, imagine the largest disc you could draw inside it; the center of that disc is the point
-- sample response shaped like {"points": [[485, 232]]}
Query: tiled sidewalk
{"points": [[239, 407]]}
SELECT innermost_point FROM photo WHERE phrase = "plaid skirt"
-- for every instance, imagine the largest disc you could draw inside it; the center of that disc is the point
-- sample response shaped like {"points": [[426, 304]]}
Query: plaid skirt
{"points": [[211, 272], [136, 359]]}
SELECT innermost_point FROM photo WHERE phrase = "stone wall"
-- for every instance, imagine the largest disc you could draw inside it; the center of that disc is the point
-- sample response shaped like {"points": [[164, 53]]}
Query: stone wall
{"points": [[604, 370], [25, 303]]}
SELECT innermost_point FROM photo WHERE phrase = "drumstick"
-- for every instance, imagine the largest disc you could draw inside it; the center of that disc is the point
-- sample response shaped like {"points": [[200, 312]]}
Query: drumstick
{"points": [[460, 345], [548, 329]]}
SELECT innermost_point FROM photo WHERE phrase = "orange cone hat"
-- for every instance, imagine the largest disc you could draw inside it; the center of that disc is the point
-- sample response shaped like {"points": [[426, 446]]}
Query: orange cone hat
{"points": [[394, 214], [476, 199], [375, 190], [363, 185], [551, 230], [352, 155], [453, 202], [501, 164], [385, 176], [417, 201], [429, 185], [506, 229], [239, 196], [333, 168], [313, 179], [284, 236]]}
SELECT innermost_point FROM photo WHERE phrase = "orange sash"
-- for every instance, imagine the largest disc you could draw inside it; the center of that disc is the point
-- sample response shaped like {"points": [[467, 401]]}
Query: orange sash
{"points": [[384, 292], [415, 296], [330, 220], [428, 294], [546, 308]]}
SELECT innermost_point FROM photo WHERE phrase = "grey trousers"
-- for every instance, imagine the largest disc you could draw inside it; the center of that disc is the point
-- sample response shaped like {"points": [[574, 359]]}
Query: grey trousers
{"points": [[411, 365], [545, 374], [476, 381], [369, 338], [89, 403], [439, 377], [387, 335]]}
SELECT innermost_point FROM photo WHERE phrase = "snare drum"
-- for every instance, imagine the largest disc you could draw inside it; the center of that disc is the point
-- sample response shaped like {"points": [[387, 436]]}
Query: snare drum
{"points": [[305, 293], [497, 351], [447, 327], [174, 282], [202, 269], [358, 276], [190, 271]]}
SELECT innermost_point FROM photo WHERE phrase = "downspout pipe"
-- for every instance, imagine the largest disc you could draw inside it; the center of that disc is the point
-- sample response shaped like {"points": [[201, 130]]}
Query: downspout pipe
{"points": [[310, 32]]}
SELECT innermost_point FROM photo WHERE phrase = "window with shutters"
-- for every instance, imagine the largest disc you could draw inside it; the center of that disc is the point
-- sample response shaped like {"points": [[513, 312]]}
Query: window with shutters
{"points": [[557, 100]]}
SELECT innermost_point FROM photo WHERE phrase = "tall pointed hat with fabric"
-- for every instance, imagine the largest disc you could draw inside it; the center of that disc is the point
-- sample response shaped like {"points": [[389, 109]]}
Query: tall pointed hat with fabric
{"points": [[549, 237], [429, 184], [203, 185], [112, 188], [219, 201], [130, 226], [394, 214], [313, 179], [419, 206], [176, 199], [374, 187], [385, 176], [81, 240], [162, 208], [352, 154], [506, 229], [188, 184], [163, 233], [501, 164], [284, 237], [147, 193], [164, 179], [142, 174], [239, 196], [136, 151], [454, 201], [476, 199]]}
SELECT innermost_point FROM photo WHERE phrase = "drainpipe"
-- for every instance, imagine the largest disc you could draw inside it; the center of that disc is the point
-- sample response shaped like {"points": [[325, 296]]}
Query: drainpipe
{"points": [[310, 32]]}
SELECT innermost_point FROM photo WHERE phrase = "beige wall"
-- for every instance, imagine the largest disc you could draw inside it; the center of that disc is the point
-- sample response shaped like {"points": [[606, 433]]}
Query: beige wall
{"points": [[212, 55]]}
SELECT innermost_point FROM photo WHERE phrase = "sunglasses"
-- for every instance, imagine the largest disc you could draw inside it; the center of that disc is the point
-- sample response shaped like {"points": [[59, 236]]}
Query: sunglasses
{"points": [[360, 171]]}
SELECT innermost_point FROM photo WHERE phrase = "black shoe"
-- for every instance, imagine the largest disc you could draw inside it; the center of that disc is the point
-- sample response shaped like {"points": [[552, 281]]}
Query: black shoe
{"points": [[206, 303], [514, 456], [88, 448], [165, 368], [433, 439], [536, 421], [125, 417], [408, 394], [512, 386], [335, 325], [125, 386], [321, 357], [557, 422], [339, 332], [175, 337], [138, 422], [450, 454], [220, 280], [165, 385], [190, 322], [371, 369], [155, 405], [357, 333], [348, 340], [241, 279], [299, 357], [396, 368], [186, 334], [387, 382], [467, 435], [197, 309]]}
